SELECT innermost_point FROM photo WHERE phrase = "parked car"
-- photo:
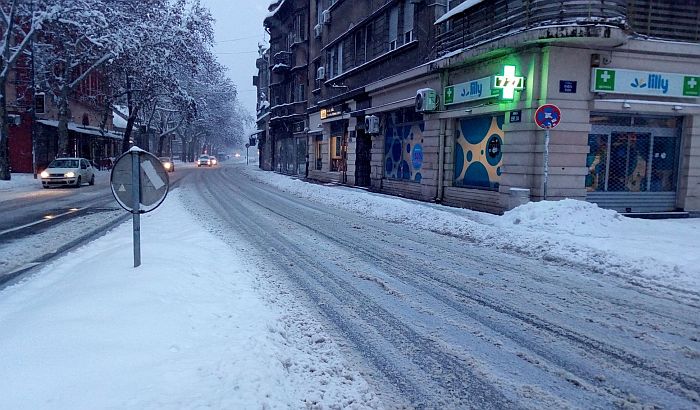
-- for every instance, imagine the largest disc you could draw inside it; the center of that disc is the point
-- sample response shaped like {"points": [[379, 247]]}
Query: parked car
{"points": [[203, 161], [167, 164], [68, 172]]}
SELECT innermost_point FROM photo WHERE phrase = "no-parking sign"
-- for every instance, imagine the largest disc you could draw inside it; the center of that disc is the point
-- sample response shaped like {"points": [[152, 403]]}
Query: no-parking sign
{"points": [[547, 116]]}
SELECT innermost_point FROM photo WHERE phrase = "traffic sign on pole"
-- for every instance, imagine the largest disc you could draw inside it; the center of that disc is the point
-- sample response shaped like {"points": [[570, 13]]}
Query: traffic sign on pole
{"points": [[139, 184], [547, 116]]}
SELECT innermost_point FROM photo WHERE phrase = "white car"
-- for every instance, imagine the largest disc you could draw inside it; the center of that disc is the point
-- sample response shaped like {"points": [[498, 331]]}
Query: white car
{"points": [[204, 161], [68, 172]]}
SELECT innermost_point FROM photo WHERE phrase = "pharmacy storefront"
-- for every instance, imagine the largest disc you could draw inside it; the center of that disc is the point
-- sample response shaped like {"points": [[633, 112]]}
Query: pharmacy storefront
{"points": [[635, 158]]}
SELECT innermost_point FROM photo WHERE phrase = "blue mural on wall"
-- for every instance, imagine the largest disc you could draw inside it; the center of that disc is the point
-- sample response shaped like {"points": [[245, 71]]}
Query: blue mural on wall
{"points": [[479, 152], [403, 150]]}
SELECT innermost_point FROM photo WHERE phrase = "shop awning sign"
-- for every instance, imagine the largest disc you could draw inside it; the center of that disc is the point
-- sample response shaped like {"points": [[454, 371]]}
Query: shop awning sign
{"points": [[634, 82], [501, 85], [470, 91]]}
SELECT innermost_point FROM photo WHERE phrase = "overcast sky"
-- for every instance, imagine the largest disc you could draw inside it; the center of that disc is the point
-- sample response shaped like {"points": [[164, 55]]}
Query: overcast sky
{"points": [[239, 29]]}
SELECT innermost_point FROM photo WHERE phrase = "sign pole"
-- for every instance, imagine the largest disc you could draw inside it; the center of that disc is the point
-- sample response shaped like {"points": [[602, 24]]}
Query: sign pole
{"points": [[547, 116], [136, 196], [246, 155], [546, 161]]}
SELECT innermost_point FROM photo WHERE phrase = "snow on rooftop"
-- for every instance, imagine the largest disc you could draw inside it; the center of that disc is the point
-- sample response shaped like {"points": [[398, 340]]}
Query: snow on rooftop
{"points": [[273, 12], [459, 9]]}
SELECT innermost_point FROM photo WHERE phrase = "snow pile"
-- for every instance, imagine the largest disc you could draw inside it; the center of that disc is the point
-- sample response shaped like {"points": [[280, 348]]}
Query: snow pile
{"points": [[19, 182], [187, 329], [569, 232], [580, 217]]}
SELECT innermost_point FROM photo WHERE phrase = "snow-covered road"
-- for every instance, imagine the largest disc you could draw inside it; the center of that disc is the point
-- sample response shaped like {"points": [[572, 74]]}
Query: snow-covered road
{"points": [[441, 321]]}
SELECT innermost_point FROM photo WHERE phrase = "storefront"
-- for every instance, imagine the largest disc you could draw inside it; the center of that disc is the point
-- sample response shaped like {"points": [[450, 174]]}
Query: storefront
{"points": [[633, 162], [640, 152]]}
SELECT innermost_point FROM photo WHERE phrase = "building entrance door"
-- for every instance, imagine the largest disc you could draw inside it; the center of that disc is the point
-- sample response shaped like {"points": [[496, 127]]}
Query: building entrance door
{"points": [[363, 158]]}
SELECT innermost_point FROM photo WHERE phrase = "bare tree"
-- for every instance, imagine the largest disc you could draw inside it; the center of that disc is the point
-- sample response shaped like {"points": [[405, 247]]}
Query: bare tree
{"points": [[19, 24]]}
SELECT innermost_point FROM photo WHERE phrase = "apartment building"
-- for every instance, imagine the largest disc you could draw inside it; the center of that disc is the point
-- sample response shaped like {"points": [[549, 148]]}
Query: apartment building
{"points": [[437, 101], [287, 23]]}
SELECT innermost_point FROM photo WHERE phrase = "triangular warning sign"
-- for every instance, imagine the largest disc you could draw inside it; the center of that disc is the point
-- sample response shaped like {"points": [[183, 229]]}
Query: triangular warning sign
{"points": [[121, 188]]}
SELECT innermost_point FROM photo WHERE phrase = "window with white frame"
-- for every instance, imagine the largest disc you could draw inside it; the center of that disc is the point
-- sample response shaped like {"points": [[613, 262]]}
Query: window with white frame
{"points": [[393, 27]]}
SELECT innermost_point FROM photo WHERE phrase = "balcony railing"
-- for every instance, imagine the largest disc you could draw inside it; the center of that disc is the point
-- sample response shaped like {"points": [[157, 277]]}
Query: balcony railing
{"points": [[495, 18], [673, 20]]}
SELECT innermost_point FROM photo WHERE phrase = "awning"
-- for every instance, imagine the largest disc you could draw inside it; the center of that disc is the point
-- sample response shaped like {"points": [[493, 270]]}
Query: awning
{"points": [[256, 132], [93, 131]]}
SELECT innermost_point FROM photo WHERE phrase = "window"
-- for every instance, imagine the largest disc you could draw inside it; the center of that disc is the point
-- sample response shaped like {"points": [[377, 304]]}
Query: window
{"points": [[360, 47], [408, 14], [335, 60], [39, 103], [319, 11], [393, 27], [319, 158], [336, 148], [299, 28]]}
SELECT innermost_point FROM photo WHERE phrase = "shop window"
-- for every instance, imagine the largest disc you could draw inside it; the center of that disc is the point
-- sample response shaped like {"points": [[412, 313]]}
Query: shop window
{"points": [[319, 158], [479, 152], [403, 146], [336, 149], [633, 154]]}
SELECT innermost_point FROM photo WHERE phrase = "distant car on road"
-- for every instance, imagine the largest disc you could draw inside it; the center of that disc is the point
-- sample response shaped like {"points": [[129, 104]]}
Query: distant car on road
{"points": [[167, 164], [68, 172], [213, 160], [204, 161]]}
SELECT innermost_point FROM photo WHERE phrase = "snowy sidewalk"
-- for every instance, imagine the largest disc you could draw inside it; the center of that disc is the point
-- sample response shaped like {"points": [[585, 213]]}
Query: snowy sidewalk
{"points": [[190, 328]]}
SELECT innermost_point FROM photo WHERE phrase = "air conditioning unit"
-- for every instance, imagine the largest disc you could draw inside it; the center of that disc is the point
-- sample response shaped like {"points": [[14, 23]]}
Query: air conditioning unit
{"points": [[318, 29], [426, 100], [321, 73], [372, 124], [14, 119], [326, 16]]}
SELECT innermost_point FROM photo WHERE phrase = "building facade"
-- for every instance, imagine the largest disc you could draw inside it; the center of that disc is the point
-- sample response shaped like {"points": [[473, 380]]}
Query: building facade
{"points": [[438, 102], [33, 137], [288, 23]]}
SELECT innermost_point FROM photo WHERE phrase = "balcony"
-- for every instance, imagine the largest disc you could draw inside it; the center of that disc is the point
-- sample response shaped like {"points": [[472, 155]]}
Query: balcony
{"points": [[497, 18], [281, 62], [288, 111]]}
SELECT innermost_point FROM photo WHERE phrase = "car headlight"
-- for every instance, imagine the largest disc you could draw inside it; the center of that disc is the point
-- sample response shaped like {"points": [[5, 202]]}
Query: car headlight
{"points": [[69, 174], [166, 165], [44, 174]]}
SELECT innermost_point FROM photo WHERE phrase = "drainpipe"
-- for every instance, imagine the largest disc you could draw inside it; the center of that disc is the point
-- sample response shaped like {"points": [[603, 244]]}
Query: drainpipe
{"points": [[441, 143]]}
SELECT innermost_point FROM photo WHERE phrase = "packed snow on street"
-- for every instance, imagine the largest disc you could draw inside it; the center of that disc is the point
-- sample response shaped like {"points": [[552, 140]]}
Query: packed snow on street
{"points": [[199, 324]]}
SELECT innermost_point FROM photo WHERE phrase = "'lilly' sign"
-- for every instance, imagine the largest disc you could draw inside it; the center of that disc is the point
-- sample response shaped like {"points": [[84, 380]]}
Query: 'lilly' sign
{"points": [[619, 81]]}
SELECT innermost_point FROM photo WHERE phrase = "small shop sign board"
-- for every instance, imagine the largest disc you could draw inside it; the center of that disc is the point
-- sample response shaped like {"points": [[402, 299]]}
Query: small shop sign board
{"points": [[634, 82]]}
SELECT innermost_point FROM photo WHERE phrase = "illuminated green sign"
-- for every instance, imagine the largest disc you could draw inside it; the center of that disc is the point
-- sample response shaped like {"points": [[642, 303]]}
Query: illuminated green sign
{"points": [[508, 82]]}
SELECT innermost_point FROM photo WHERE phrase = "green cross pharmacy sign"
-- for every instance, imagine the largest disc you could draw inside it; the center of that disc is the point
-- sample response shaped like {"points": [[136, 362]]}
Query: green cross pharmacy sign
{"points": [[619, 81]]}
